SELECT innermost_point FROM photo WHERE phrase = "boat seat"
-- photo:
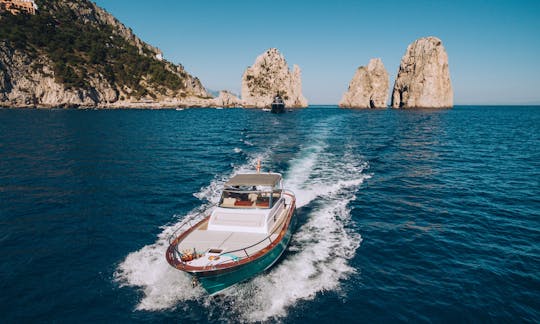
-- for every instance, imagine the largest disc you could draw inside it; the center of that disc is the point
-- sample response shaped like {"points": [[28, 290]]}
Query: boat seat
{"points": [[243, 203], [228, 202]]}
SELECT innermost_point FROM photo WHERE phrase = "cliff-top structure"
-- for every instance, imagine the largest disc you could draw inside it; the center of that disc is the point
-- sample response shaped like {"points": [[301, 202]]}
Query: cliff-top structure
{"points": [[16, 7], [268, 76], [423, 79], [368, 88]]}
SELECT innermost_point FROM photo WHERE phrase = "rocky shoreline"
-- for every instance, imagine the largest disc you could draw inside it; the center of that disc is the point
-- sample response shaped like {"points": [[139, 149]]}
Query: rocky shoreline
{"points": [[36, 74]]}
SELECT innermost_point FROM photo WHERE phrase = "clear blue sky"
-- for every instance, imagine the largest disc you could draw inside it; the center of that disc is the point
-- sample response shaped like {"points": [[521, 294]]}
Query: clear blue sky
{"points": [[493, 45]]}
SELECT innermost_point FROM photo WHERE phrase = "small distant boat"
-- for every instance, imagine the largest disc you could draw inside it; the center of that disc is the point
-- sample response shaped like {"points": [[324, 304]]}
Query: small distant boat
{"points": [[267, 109], [179, 109], [219, 108], [244, 235], [278, 106]]}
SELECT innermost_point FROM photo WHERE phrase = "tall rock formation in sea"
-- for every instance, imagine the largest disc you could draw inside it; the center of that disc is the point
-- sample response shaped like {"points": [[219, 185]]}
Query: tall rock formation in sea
{"points": [[423, 79], [368, 88], [269, 76], [74, 53], [225, 99]]}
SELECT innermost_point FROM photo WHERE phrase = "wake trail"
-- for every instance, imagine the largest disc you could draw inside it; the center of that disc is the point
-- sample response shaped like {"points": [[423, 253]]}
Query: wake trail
{"points": [[325, 182], [163, 286]]}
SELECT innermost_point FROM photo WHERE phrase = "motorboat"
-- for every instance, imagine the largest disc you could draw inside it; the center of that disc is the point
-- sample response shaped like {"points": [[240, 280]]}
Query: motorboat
{"points": [[278, 105], [243, 235]]}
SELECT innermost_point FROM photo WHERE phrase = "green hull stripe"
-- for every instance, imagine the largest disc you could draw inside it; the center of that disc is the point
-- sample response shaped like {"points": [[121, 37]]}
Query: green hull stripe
{"points": [[214, 284]]}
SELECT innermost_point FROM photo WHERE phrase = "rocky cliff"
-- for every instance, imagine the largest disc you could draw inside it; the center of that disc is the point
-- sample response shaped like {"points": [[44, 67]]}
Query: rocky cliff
{"points": [[268, 76], [423, 79], [368, 88], [27, 81], [73, 53]]}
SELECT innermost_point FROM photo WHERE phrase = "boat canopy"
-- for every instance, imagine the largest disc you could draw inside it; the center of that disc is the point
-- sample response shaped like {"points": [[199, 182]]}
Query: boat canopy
{"points": [[256, 179]]}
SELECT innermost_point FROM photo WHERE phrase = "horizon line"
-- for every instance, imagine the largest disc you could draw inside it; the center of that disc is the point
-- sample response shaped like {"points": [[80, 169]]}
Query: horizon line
{"points": [[457, 105]]}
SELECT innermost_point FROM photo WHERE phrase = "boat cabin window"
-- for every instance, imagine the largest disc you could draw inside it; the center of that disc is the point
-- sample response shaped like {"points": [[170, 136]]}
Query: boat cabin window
{"points": [[253, 197]]}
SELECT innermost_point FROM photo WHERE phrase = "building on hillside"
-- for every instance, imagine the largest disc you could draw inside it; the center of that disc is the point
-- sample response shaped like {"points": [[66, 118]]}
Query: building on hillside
{"points": [[18, 6]]}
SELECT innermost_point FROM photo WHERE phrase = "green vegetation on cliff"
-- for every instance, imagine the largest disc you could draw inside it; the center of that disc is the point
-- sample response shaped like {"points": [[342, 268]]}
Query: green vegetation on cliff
{"points": [[78, 48]]}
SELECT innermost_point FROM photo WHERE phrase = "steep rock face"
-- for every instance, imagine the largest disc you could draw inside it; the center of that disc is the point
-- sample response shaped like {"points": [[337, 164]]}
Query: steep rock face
{"points": [[89, 13], [269, 76], [368, 88], [23, 85], [423, 79], [226, 100], [103, 65]]}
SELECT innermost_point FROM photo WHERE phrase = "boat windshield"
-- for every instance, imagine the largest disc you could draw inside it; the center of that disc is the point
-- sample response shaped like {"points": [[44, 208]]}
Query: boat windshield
{"points": [[254, 198]]}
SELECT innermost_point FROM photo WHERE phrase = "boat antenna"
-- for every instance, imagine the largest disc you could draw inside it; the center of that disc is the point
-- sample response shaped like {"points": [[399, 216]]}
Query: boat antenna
{"points": [[259, 166]]}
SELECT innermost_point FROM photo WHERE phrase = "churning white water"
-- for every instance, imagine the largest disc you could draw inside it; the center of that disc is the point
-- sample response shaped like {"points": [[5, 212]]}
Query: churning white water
{"points": [[324, 184]]}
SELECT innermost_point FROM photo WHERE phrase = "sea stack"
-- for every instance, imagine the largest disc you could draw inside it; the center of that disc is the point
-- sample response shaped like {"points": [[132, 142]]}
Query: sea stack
{"points": [[423, 79], [270, 75], [368, 88], [225, 100]]}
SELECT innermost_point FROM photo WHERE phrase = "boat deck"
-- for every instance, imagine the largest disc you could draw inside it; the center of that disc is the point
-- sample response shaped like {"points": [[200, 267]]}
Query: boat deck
{"points": [[228, 245], [204, 240]]}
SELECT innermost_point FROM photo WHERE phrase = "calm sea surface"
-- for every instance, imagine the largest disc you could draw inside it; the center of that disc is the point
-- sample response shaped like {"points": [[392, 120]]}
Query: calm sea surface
{"points": [[421, 216]]}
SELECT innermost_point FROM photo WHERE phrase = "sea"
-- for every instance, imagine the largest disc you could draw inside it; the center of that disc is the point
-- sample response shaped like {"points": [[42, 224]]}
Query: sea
{"points": [[403, 215]]}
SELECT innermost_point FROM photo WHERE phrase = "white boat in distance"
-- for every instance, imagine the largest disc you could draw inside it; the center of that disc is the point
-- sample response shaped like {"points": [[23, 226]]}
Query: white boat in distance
{"points": [[244, 235]]}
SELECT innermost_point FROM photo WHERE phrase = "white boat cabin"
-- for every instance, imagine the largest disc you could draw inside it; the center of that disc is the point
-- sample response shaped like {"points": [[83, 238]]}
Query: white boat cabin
{"points": [[250, 203], [252, 210]]}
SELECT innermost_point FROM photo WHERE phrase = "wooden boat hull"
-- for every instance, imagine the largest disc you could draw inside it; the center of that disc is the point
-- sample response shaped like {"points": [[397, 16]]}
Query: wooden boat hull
{"points": [[215, 281], [216, 278]]}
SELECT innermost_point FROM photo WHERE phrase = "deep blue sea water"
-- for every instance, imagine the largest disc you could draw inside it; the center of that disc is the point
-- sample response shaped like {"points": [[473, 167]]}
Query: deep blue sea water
{"points": [[421, 215]]}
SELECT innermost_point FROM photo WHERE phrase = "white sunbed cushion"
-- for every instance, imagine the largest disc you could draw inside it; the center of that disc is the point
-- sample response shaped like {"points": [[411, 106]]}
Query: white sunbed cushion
{"points": [[249, 220], [237, 222], [202, 240]]}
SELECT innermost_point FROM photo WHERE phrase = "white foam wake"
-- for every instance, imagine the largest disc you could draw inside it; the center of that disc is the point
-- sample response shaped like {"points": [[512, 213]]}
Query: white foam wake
{"points": [[324, 183], [163, 286], [323, 246]]}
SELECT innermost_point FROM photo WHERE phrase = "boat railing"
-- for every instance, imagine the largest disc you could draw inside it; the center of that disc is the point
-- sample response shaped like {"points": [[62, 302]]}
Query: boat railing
{"points": [[187, 223], [267, 238]]}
